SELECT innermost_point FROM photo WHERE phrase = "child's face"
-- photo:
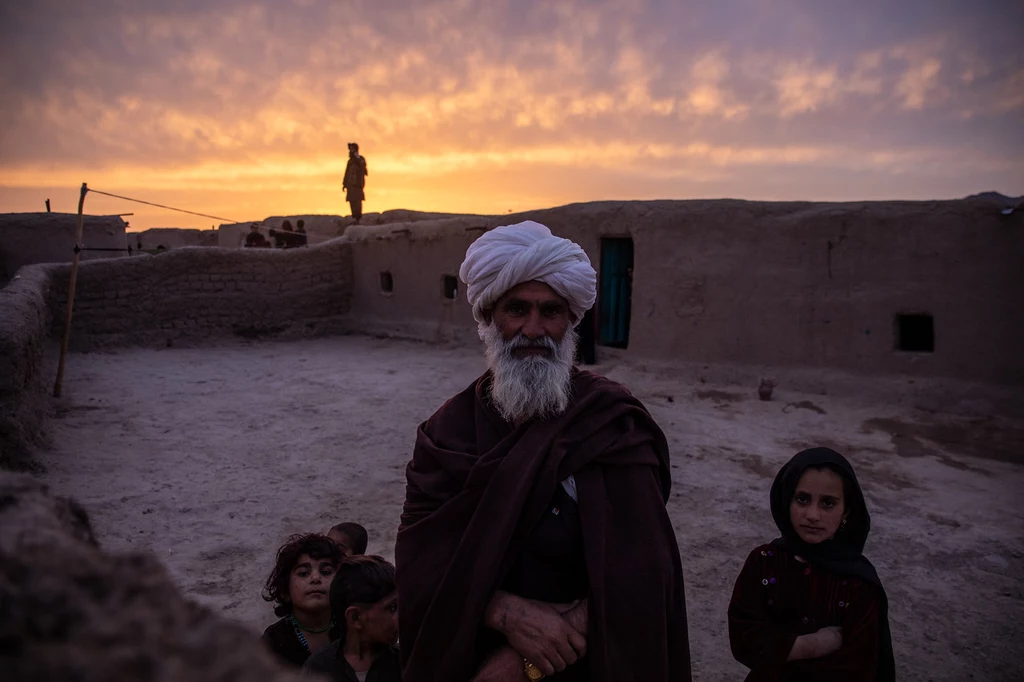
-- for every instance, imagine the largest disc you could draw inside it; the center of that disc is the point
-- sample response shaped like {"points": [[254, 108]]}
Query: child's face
{"points": [[380, 621], [309, 586], [818, 508], [341, 540]]}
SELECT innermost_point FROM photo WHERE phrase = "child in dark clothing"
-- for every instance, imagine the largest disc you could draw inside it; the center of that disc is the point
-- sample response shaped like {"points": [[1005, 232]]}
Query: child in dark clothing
{"points": [[364, 599], [300, 585], [351, 537], [809, 607]]}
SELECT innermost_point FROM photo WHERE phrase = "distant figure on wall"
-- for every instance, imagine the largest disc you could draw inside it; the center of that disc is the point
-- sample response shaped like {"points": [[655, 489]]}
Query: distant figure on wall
{"points": [[355, 181], [285, 238], [253, 240]]}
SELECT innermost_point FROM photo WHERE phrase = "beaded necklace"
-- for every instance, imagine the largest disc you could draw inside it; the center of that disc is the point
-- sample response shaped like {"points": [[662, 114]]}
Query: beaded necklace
{"points": [[301, 637]]}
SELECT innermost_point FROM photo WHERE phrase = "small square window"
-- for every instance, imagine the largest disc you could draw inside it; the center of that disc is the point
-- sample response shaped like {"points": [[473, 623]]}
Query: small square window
{"points": [[387, 282], [915, 333], [450, 286]]}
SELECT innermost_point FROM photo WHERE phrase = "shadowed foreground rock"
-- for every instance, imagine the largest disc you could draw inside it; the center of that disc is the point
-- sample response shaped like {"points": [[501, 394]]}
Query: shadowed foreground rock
{"points": [[68, 611]]}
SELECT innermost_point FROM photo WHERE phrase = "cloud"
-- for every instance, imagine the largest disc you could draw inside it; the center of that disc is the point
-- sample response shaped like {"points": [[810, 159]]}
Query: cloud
{"points": [[709, 95], [803, 87], [919, 83]]}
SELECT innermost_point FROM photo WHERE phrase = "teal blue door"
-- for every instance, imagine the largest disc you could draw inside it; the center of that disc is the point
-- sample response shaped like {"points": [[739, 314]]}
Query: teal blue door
{"points": [[615, 291]]}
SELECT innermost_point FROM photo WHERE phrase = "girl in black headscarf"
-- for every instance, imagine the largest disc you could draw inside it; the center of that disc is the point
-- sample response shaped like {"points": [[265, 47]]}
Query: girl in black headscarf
{"points": [[809, 606]]}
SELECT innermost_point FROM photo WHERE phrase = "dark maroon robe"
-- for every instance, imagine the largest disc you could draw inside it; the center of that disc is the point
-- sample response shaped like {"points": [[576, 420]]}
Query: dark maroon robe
{"points": [[777, 598], [477, 487]]}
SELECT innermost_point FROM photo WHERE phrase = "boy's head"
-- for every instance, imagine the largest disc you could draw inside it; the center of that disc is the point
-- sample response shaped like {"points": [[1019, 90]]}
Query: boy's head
{"points": [[351, 537], [364, 600]]}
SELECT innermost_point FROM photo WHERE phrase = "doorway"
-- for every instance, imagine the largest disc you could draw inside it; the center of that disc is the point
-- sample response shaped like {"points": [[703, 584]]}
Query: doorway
{"points": [[616, 290]]}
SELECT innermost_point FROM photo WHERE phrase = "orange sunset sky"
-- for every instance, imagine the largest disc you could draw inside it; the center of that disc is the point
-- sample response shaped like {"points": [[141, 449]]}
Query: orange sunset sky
{"points": [[243, 109]]}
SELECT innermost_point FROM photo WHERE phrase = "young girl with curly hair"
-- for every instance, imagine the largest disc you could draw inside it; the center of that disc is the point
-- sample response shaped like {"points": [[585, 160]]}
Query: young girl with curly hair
{"points": [[300, 586]]}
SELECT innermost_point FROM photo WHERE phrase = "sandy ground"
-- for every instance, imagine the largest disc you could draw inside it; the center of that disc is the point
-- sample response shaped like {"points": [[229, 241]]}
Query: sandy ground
{"points": [[211, 457]]}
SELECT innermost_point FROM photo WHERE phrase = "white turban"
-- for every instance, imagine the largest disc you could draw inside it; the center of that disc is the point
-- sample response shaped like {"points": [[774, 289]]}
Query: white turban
{"points": [[508, 256]]}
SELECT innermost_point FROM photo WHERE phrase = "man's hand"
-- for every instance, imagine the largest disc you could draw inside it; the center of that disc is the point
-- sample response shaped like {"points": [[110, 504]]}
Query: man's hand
{"points": [[576, 614], [537, 631], [504, 665]]}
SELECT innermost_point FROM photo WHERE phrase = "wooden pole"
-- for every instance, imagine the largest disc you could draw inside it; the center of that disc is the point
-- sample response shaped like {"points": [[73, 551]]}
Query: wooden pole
{"points": [[71, 296], [47, 205]]}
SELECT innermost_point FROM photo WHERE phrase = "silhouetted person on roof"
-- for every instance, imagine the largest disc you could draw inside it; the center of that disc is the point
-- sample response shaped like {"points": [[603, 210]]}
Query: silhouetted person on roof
{"points": [[355, 181]]}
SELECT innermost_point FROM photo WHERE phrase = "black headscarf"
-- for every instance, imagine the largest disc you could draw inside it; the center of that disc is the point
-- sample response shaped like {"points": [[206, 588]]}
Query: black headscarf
{"points": [[841, 554]]}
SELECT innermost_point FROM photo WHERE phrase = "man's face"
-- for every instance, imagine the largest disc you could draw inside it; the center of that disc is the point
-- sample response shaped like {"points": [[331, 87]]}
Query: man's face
{"points": [[530, 346], [534, 310]]}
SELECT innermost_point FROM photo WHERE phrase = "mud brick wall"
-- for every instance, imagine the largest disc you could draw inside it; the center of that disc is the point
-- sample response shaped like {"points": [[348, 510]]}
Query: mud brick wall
{"points": [[24, 326], [196, 293]]}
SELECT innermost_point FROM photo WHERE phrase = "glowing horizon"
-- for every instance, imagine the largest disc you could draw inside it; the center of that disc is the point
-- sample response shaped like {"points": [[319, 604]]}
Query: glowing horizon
{"points": [[244, 110]]}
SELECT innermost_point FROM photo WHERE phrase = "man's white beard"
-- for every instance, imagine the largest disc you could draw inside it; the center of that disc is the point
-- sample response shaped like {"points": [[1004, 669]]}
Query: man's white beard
{"points": [[533, 385]]}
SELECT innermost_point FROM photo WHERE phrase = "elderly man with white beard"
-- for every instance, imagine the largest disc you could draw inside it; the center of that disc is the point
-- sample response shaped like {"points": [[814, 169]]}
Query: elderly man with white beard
{"points": [[534, 539]]}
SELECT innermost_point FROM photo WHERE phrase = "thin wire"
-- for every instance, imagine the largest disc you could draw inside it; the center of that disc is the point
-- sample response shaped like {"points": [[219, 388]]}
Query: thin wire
{"points": [[169, 208]]}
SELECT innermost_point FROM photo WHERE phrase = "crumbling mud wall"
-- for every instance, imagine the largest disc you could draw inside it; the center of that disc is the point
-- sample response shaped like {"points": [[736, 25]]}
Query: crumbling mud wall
{"points": [[24, 326], [73, 613], [27, 238], [189, 294]]}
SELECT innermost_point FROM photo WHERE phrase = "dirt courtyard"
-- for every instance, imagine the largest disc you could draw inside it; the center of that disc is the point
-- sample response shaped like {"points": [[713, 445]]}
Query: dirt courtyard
{"points": [[210, 457]]}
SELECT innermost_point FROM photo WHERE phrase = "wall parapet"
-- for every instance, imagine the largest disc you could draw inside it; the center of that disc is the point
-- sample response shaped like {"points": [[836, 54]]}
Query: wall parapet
{"points": [[193, 293], [25, 322]]}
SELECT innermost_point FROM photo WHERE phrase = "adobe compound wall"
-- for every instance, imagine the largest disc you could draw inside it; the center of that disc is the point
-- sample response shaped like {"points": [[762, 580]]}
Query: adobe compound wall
{"points": [[184, 295], [754, 283], [417, 258], [27, 238], [774, 285], [191, 293], [24, 327], [821, 285]]}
